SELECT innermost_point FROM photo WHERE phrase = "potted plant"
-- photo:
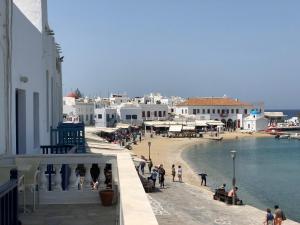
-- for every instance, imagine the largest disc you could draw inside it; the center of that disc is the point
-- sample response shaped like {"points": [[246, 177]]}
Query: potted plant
{"points": [[106, 197]]}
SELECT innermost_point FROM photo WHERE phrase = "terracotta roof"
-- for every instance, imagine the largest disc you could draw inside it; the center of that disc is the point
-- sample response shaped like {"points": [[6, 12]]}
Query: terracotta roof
{"points": [[213, 102], [72, 95]]}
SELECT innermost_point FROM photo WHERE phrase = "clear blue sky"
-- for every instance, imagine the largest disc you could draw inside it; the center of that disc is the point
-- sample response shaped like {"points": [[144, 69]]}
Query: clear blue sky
{"points": [[244, 49]]}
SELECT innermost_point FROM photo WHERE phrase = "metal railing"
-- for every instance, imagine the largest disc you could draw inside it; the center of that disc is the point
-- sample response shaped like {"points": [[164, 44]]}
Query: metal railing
{"points": [[9, 200]]}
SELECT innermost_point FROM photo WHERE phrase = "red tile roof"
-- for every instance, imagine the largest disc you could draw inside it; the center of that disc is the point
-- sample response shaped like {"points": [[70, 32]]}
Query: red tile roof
{"points": [[213, 102]]}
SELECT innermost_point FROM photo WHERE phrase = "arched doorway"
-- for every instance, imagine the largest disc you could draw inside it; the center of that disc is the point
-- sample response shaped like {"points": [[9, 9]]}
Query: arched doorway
{"points": [[224, 121], [230, 123]]}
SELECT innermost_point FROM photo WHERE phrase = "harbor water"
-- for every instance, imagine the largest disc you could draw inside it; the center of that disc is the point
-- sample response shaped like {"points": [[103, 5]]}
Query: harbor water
{"points": [[267, 170]]}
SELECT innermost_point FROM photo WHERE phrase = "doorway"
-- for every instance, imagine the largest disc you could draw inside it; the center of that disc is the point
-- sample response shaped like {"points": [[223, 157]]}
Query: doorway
{"points": [[20, 121]]}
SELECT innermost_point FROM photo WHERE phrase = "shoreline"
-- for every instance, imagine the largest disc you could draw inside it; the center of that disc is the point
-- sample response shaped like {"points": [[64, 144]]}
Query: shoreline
{"points": [[168, 151]]}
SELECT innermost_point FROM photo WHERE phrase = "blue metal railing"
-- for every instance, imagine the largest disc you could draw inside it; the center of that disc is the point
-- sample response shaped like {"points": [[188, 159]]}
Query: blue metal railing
{"points": [[9, 200]]}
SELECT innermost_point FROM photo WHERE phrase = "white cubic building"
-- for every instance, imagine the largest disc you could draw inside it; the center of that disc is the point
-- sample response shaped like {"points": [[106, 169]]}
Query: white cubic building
{"points": [[154, 111], [105, 117], [230, 111], [255, 121], [30, 77], [130, 113], [77, 109]]}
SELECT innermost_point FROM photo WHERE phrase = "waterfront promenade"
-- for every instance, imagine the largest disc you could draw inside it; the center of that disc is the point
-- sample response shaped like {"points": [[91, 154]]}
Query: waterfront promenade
{"points": [[181, 203]]}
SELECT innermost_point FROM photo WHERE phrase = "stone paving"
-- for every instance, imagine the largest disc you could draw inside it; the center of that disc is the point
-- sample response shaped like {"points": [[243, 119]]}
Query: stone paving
{"points": [[184, 204], [84, 214]]}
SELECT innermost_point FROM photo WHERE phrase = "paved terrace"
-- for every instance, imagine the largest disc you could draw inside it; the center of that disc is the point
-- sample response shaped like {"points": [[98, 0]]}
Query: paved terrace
{"points": [[181, 203], [84, 214]]}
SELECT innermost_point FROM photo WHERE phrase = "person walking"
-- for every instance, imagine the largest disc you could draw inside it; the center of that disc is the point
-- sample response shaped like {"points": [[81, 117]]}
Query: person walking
{"points": [[179, 173], [142, 165], [203, 178], [162, 173], [153, 176], [150, 165], [279, 215], [269, 218], [173, 172]]}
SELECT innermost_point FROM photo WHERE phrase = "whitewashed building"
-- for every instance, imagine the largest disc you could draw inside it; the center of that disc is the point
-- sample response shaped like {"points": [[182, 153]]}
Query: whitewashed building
{"points": [[230, 111], [117, 99], [154, 111], [105, 117], [77, 109], [30, 75], [255, 121], [130, 113]]}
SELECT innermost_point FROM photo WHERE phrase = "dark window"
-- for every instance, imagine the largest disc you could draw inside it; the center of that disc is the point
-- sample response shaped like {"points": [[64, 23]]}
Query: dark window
{"points": [[245, 111], [223, 111], [218, 111], [128, 117], [203, 111], [134, 117], [237, 111], [198, 110], [143, 114], [155, 113], [194, 111], [112, 116], [107, 117], [164, 113], [182, 111], [148, 113], [232, 111], [208, 111], [214, 111], [159, 114], [227, 111]]}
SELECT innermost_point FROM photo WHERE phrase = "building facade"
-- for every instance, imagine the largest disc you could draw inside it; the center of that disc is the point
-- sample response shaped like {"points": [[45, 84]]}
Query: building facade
{"points": [[77, 109], [230, 111], [32, 87], [130, 113], [105, 117], [154, 111]]}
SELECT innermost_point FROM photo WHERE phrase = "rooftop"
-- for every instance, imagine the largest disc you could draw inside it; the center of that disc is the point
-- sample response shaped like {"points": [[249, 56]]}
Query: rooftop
{"points": [[212, 101]]}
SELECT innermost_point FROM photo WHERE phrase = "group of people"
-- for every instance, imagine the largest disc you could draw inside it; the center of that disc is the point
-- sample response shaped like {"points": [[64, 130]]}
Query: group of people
{"points": [[275, 219], [157, 172], [179, 173]]}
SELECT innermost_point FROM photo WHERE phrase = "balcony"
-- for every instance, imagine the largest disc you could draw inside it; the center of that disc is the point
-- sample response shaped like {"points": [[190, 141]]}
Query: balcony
{"points": [[65, 195]]}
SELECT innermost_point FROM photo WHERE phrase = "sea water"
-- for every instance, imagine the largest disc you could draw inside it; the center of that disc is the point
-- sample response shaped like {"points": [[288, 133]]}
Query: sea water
{"points": [[267, 170]]}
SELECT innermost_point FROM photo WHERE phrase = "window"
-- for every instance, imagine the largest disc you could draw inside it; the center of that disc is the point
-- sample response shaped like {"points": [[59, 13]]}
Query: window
{"points": [[107, 117], [198, 111], [128, 117], [99, 116], [218, 111], [237, 111], [112, 116], [223, 111], [245, 111], [155, 113], [214, 111], [164, 113], [148, 113], [134, 117], [203, 111], [232, 111], [227, 111], [194, 111], [143, 114], [182, 111], [208, 111], [159, 114], [186, 111]]}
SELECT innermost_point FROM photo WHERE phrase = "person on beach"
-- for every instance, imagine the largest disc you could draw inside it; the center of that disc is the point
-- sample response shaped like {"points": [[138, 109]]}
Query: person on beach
{"points": [[179, 173], [173, 172], [203, 178], [162, 173], [150, 165], [279, 215], [269, 218], [232, 192]]}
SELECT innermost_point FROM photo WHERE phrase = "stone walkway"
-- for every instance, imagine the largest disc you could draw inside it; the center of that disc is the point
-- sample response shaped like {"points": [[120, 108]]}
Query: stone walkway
{"points": [[181, 203], [84, 214]]}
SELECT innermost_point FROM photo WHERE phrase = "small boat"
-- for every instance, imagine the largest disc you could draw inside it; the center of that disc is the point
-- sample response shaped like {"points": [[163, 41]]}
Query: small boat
{"points": [[295, 136], [282, 136], [215, 138]]}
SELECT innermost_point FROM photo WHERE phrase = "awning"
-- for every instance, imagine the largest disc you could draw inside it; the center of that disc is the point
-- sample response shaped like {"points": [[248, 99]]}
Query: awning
{"points": [[200, 123], [162, 126], [188, 128], [175, 128], [122, 126], [215, 123]]}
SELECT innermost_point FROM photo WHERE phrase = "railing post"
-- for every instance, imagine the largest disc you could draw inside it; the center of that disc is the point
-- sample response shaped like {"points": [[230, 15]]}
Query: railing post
{"points": [[102, 184], [73, 177], [44, 179], [57, 177], [87, 176]]}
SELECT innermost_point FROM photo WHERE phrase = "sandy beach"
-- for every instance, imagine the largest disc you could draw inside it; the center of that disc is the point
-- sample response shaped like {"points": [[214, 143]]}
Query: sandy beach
{"points": [[167, 151]]}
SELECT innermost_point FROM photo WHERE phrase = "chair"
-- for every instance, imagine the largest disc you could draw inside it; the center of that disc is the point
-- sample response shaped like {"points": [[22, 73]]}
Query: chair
{"points": [[28, 179]]}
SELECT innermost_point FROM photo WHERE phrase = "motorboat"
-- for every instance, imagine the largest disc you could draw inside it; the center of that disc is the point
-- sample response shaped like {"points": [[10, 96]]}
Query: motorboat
{"points": [[282, 136]]}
